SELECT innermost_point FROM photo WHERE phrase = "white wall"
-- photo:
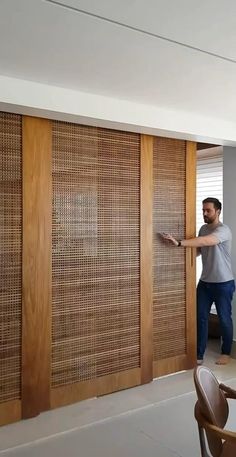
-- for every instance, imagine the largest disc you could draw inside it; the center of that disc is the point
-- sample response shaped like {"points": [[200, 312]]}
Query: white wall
{"points": [[229, 208], [43, 100]]}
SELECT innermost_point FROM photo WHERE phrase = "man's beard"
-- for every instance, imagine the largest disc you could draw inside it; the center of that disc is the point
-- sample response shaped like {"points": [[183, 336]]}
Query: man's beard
{"points": [[208, 220]]}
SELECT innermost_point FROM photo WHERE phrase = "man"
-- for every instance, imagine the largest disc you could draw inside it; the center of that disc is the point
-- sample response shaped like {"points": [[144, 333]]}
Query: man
{"points": [[217, 282]]}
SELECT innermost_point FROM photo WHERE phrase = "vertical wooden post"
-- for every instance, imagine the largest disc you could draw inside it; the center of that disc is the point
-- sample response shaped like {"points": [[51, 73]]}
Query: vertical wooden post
{"points": [[37, 234], [146, 235], [191, 253]]}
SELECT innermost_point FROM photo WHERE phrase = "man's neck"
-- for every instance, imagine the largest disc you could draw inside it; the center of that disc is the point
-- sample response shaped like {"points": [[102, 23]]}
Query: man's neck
{"points": [[213, 224]]}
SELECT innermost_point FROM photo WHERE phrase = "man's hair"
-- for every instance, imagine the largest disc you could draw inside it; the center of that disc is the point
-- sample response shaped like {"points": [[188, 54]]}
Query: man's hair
{"points": [[215, 201]]}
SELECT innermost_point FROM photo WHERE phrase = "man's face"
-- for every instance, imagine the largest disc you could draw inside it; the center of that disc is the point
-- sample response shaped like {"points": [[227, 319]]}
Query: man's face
{"points": [[210, 214]]}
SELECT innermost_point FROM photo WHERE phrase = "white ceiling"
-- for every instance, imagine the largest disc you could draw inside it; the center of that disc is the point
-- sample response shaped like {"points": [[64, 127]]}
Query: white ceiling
{"points": [[167, 53]]}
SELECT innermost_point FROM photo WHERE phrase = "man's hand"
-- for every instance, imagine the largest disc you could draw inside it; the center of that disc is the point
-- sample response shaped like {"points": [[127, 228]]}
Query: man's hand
{"points": [[169, 237]]}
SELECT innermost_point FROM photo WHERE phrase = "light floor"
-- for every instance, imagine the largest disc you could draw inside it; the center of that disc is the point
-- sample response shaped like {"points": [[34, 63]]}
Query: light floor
{"points": [[154, 420]]}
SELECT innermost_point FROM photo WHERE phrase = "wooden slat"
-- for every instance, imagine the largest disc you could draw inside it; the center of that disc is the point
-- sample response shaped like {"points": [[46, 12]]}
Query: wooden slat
{"points": [[10, 411], [72, 393], [191, 253], [37, 233], [146, 258]]}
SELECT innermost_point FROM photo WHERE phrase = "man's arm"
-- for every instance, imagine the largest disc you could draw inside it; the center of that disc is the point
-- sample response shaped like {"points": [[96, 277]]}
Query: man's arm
{"points": [[198, 242]]}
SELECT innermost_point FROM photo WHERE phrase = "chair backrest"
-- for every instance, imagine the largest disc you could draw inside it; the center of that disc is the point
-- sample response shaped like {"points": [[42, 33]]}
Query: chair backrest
{"points": [[212, 404]]}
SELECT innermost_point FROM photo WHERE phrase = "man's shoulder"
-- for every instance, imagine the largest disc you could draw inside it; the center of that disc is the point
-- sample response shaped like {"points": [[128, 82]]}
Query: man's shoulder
{"points": [[222, 226], [223, 232]]}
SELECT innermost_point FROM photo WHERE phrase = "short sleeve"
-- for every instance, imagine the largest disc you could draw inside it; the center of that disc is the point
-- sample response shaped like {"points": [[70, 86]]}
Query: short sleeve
{"points": [[222, 233]]}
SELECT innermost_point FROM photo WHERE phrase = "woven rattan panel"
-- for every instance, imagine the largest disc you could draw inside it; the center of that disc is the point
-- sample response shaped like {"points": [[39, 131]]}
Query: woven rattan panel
{"points": [[10, 255], [96, 317], [169, 303]]}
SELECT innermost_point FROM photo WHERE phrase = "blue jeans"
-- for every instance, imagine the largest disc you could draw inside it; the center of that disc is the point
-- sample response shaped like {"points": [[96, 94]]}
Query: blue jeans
{"points": [[221, 293]]}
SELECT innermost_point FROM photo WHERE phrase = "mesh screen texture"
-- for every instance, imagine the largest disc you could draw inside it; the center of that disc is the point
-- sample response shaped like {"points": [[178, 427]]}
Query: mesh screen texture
{"points": [[10, 255], [169, 275], [96, 253]]}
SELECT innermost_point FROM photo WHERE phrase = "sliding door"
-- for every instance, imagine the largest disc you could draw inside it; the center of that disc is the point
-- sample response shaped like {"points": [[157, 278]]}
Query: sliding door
{"points": [[173, 268], [95, 262]]}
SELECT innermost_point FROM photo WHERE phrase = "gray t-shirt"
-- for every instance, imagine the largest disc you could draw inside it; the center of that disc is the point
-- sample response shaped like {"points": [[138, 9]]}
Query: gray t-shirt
{"points": [[216, 260]]}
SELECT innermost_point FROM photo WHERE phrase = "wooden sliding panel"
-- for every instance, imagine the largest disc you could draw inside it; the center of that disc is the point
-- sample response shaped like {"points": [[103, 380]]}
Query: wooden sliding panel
{"points": [[10, 267], [37, 220], [172, 281], [146, 258], [191, 253], [96, 262]]}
